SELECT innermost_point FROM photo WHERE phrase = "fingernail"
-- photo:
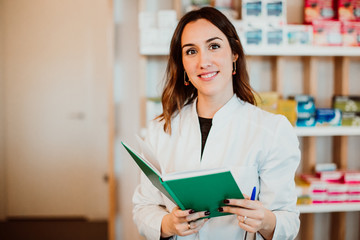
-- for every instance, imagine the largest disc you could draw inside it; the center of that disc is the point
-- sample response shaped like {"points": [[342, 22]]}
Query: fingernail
{"points": [[191, 211], [226, 201], [220, 209], [207, 213]]}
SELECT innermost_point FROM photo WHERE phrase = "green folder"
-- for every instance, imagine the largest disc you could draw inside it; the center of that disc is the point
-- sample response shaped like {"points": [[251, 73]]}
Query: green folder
{"points": [[200, 190]]}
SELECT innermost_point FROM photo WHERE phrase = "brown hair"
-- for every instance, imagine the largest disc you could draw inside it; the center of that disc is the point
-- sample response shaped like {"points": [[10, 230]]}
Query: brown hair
{"points": [[176, 95]]}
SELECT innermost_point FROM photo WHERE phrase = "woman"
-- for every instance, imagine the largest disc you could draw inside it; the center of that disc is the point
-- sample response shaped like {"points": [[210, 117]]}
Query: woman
{"points": [[209, 121]]}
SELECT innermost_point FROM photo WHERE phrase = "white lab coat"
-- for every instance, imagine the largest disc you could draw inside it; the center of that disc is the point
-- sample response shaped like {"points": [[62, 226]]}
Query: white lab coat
{"points": [[260, 148]]}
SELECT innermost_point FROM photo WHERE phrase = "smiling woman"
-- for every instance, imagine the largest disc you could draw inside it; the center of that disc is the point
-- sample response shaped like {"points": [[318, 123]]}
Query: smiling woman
{"points": [[210, 120]]}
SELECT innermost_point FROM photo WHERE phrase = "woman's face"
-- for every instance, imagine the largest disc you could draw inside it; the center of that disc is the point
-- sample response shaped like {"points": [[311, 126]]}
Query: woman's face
{"points": [[208, 60]]}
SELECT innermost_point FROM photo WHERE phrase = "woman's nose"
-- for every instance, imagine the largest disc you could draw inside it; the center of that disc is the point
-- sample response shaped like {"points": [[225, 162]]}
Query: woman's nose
{"points": [[205, 60]]}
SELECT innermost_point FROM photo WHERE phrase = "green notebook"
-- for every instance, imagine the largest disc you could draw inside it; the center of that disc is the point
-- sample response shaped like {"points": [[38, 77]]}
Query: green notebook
{"points": [[200, 190]]}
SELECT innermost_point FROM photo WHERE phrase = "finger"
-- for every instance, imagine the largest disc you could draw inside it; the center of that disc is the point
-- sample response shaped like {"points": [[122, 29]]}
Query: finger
{"points": [[244, 203], [182, 213], [247, 224], [195, 216]]}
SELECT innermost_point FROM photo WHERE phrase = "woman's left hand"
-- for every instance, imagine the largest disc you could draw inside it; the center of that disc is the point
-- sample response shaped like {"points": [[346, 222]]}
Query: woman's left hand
{"points": [[252, 215]]}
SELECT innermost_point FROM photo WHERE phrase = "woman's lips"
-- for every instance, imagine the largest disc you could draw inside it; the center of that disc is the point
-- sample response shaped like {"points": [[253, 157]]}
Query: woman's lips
{"points": [[208, 76]]}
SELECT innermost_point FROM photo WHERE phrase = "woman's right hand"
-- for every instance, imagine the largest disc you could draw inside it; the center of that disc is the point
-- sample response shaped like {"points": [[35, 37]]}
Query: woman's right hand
{"points": [[182, 223]]}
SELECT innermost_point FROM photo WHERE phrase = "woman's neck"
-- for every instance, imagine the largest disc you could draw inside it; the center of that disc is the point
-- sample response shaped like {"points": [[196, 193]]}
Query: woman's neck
{"points": [[208, 106]]}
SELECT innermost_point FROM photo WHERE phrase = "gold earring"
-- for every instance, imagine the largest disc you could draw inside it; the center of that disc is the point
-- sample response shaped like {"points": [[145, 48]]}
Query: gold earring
{"points": [[186, 82], [234, 68]]}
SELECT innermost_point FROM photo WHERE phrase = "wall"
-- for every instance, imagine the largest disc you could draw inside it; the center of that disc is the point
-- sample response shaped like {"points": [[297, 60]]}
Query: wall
{"points": [[58, 69], [2, 106]]}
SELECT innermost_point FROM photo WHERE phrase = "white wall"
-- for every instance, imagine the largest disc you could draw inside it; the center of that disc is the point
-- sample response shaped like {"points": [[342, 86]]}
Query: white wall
{"points": [[56, 78], [2, 105]]}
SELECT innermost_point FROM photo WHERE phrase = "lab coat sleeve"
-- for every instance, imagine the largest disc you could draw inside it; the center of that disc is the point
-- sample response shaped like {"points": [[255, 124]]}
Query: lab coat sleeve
{"points": [[149, 209], [277, 185]]}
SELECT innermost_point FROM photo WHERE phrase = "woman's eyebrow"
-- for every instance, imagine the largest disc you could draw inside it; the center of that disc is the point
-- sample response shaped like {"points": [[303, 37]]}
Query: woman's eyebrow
{"points": [[207, 41]]}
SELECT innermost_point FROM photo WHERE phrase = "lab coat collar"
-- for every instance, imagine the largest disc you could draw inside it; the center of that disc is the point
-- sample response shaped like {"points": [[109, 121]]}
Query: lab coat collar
{"points": [[224, 111]]}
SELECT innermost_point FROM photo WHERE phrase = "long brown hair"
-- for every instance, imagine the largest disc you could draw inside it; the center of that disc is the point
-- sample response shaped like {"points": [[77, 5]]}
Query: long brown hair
{"points": [[176, 95]]}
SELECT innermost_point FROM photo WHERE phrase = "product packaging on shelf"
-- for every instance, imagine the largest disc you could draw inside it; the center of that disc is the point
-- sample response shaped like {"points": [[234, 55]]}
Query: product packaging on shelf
{"points": [[318, 10], [350, 107], [299, 34], [328, 117], [287, 107], [305, 110], [267, 101], [327, 33], [274, 34], [253, 33], [350, 33], [252, 10], [348, 10], [275, 11]]}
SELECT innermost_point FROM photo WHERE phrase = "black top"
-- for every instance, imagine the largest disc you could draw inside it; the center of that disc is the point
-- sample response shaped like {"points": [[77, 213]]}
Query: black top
{"points": [[205, 126]]}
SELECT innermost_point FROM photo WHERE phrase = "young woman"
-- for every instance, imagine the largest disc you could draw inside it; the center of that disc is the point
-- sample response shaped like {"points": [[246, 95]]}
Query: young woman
{"points": [[210, 120]]}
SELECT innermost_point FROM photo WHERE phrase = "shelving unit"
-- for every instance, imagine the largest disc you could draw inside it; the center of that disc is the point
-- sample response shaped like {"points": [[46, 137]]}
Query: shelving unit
{"points": [[308, 55], [329, 207]]}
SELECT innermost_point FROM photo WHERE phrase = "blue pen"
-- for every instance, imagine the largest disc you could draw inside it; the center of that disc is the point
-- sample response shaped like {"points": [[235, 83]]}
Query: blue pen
{"points": [[253, 196]]}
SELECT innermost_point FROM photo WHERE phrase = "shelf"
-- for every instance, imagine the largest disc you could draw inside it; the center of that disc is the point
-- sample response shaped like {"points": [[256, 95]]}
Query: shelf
{"points": [[272, 51], [329, 207], [327, 131], [302, 51]]}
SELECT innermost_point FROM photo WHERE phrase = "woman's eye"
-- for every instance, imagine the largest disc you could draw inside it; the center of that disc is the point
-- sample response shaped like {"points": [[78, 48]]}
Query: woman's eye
{"points": [[214, 46], [190, 52]]}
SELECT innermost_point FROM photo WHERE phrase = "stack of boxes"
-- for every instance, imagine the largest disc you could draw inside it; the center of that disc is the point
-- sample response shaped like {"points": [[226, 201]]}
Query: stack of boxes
{"points": [[350, 108], [335, 22], [328, 186], [301, 110]]}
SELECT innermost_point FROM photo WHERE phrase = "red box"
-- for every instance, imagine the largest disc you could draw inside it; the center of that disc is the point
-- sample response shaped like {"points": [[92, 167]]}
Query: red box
{"points": [[348, 10], [327, 33], [318, 10], [350, 33]]}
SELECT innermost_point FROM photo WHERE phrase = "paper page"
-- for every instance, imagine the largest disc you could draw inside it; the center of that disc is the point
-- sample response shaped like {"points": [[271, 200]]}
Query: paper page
{"points": [[148, 154], [193, 173]]}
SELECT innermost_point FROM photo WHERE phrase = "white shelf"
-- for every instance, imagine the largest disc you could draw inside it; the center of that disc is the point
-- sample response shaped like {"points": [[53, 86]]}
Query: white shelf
{"points": [[272, 51], [302, 51], [329, 207], [327, 131]]}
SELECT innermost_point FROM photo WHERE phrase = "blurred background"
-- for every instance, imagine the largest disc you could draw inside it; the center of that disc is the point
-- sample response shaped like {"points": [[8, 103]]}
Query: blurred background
{"points": [[79, 76]]}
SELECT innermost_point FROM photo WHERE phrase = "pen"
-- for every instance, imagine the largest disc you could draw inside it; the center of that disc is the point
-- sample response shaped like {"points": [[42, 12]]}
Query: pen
{"points": [[253, 195]]}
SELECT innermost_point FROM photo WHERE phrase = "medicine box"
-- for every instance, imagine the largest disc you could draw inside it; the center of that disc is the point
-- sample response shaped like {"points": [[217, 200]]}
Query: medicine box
{"points": [[350, 31], [327, 33], [351, 119], [275, 11], [299, 34], [328, 117], [347, 103], [274, 34], [253, 33], [318, 10], [348, 10], [252, 10]]}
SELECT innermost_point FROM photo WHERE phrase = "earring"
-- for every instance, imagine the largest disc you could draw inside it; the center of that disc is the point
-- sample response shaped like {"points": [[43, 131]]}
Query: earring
{"points": [[234, 68], [186, 82]]}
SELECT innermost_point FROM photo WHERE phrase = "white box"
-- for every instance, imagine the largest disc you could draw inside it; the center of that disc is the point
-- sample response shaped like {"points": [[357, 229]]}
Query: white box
{"points": [[274, 34], [299, 34], [275, 11], [253, 33], [252, 10]]}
